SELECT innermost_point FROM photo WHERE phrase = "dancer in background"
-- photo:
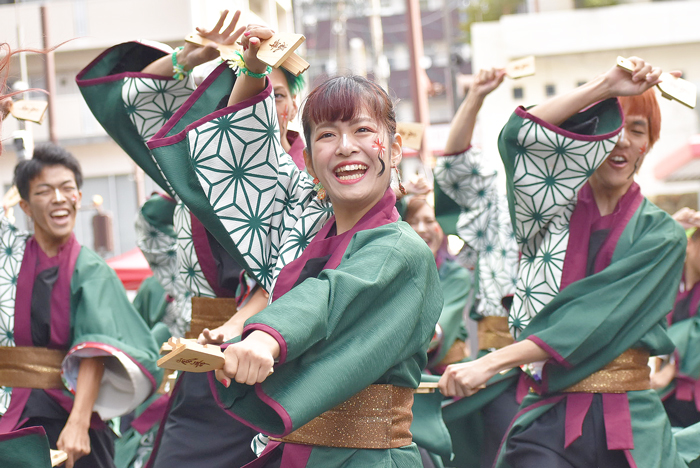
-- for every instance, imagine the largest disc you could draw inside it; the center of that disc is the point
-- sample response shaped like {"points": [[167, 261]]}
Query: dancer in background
{"points": [[64, 317], [323, 275], [71, 318], [467, 191], [212, 295], [677, 380], [599, 271]]}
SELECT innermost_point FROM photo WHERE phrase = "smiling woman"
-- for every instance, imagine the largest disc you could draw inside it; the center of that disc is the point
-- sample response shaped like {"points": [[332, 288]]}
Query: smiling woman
{"points": [[324, 273]]}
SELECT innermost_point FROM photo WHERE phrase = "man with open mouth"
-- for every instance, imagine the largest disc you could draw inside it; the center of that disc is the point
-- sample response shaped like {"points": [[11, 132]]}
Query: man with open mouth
{"points": [[73, 350]]}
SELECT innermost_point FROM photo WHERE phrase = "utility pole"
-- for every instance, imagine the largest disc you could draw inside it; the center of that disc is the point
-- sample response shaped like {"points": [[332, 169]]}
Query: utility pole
{"points": [[50, 72], [419, 94], [341, 31], [381, 63], [451, 70]]}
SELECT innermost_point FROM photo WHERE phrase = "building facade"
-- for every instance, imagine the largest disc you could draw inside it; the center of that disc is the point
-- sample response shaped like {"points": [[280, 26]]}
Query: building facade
{"points": [[94, 25]]}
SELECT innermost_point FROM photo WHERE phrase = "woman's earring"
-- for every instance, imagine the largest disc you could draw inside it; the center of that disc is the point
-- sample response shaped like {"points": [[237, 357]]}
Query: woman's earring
{"points": [[318, 187], [398, 176]]}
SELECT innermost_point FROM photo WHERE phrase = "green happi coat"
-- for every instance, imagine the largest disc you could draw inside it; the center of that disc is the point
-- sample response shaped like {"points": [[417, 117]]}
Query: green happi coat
{"points": [[131, 106], [468, 203], [102, 323], [456, 284], [25, 448], [685, 334], [230, 170], [594, 319]]}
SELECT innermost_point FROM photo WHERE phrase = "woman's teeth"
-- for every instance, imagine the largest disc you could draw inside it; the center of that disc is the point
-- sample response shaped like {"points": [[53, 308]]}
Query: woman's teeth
{"points": [[350, 177], [618, 159], [59, 213], [350, 168]]}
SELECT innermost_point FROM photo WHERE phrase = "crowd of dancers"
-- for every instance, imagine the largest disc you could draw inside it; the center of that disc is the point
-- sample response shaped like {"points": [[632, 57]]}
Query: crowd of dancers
{"points": [[329, 284]]}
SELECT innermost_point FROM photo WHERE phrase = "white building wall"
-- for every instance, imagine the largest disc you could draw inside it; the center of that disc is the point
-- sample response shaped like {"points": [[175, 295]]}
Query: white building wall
{"points": [[576, 45]]}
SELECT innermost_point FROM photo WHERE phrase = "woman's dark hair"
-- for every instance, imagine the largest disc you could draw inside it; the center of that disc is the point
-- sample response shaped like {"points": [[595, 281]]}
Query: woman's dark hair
{"points": [[343, 98], [45, 155]]}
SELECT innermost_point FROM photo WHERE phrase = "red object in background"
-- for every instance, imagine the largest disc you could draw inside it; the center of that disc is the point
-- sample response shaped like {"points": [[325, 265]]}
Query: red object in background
{"points": [[131, 267], [681, 164]]}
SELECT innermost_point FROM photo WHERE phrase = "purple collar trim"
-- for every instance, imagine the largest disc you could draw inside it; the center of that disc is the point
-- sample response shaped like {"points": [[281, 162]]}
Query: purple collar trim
{"points": [[523, 113], [34, 262], [586, 219], [27, 431], [200, 240], [694, 292], [297, 149], [383, 212]]}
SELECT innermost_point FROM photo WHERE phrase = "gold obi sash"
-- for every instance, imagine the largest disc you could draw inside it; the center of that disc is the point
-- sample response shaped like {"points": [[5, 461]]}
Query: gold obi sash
{"points": [[30, 367], [493, 332], [626, 373], [378, 417], [210, 312], [456, 353]]}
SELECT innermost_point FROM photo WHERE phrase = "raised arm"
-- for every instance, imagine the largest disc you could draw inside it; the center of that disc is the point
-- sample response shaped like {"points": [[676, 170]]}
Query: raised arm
{"points": [[614, 83], [248, 85], [462, 125], [192, 55]]}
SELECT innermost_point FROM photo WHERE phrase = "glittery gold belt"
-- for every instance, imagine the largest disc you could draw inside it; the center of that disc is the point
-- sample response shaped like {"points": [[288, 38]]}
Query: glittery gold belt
{"points": [[210, 312], [456, 353], [29, 367], [379, 417], [493, 332], [626, 373]]}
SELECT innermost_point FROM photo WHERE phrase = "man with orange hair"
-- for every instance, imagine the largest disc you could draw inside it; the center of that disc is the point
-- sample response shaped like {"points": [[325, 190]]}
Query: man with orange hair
{"points": [[599, 271]]}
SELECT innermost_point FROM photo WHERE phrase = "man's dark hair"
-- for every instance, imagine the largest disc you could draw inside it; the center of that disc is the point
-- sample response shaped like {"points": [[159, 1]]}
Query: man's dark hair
{"points": [[45, 154]]}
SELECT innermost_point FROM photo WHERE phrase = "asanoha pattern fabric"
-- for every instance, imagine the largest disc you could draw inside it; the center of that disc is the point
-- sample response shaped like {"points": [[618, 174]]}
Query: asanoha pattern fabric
{"points": [[161, 252], [150, 103], [550, 168], [266, 204], [12, 244], [484, 224]]}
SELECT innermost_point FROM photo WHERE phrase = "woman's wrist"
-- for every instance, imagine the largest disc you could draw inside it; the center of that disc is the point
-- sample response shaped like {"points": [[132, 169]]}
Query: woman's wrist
{"points": [[182, 57], [267, 340]]}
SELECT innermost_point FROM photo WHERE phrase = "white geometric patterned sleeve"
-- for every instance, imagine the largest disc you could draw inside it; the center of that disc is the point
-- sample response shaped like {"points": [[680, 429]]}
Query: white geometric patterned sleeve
{"points": [[264, 202], [463, 178], [12, 244], [483, 225], [547, 165], [159, 246], [150, 102]]}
